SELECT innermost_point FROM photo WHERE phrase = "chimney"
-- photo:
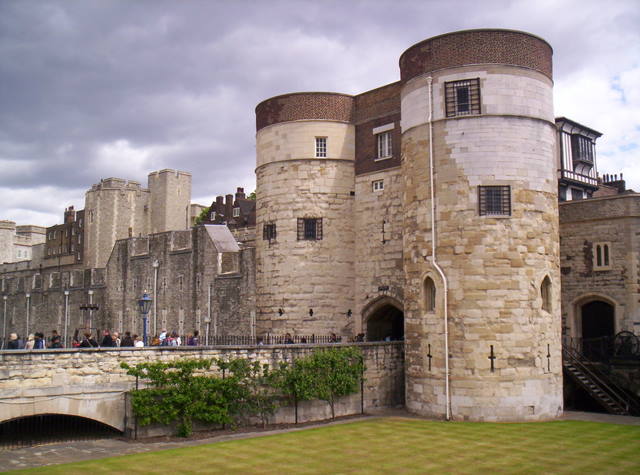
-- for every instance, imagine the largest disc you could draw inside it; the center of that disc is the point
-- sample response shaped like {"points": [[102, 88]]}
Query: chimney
{"points": [[240, 194], [219, 206], [228, 208]]}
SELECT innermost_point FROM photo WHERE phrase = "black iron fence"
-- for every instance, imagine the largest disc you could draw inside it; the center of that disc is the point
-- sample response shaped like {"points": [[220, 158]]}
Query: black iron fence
{"points": [[624, 345], [235, 340]]}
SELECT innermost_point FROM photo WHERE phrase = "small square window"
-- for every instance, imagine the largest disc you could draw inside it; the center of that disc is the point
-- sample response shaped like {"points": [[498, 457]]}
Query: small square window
{"points": [[377, 185], [269, 231], [236, 212], [309, 229], [462, 97], [321, 147], [385, 149], [494, 200]]}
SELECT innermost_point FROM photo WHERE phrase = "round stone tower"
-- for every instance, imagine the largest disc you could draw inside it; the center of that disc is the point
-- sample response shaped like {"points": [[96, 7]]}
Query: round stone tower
{"points": [[304, 223], [481, 246]]}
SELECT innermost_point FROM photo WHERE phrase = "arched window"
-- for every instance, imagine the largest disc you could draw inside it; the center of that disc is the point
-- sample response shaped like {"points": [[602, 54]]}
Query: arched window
{"points": [[429, 295], [545, 293]]}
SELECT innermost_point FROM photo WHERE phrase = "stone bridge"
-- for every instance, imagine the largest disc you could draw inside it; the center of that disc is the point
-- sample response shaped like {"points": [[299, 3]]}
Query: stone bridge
{"points": [[90, 383]]}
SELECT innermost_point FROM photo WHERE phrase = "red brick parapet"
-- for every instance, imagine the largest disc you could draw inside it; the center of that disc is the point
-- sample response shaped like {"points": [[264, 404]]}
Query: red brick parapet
{"points": [[486, 46], [304, 106]]}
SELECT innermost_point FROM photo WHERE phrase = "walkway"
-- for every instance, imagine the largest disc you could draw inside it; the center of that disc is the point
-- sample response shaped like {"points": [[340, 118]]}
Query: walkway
{"points": [[87, 450]]}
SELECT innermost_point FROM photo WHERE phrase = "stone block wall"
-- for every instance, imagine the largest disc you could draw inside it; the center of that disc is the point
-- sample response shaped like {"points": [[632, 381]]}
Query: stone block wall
{"points": [[494, 265], [295, 277], [114, 209], [614, 220], [67, 373], [378, 224]]}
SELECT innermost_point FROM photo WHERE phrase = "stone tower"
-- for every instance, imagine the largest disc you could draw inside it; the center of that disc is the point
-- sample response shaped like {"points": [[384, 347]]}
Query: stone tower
{"points": [[170, 194], [305, 242], [7, 236], [114, 209], [481, 247]]}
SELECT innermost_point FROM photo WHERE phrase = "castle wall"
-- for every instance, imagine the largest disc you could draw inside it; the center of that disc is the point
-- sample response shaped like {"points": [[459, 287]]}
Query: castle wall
{"points": [[378, 222], [36, 300], [188, 294], [494, 265], [294, 274], [612, 220]]}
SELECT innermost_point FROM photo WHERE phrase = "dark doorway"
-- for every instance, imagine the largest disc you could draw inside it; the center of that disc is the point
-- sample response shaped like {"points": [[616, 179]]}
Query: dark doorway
{"points": [[386, 323], [597, 330], [49, 428]]}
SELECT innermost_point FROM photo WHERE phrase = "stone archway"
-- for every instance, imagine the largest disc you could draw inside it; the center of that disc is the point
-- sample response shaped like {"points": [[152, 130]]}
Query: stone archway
{"points": [[598, 328], [384, 320]]}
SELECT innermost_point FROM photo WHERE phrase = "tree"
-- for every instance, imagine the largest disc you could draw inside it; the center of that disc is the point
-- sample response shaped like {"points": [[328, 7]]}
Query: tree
{"points": [[203, 216], [296, 381], [177, 395], [338, 372]]}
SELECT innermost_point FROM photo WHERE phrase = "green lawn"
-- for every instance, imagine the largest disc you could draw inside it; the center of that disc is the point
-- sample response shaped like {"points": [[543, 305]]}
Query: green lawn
{"points": [[398, 445]]}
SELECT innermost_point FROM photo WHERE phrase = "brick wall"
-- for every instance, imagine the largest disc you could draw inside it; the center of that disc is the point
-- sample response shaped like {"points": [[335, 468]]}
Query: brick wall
{"points": [[304, 105], [477, 47]]}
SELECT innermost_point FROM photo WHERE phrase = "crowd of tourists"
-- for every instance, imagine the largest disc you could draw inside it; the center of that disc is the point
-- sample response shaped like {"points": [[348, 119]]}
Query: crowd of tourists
{"points": [[108, 339]]}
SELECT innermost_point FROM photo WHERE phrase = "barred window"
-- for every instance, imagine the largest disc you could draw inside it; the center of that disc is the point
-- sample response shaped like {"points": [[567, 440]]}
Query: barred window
{"points": [[269, 231], [494, 200], [462, 97], [321, 147], [309, 229]]}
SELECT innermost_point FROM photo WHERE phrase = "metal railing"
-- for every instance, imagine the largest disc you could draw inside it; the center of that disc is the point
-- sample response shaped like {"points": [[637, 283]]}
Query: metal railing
{"points": [[589, 368]]}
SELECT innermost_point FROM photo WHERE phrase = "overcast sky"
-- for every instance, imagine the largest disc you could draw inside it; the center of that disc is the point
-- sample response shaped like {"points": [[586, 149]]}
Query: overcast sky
{"points": [[92, 89]]}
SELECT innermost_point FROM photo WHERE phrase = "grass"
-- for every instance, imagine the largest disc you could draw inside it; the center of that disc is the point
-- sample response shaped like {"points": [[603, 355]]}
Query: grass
{"points": [[398, 445]]}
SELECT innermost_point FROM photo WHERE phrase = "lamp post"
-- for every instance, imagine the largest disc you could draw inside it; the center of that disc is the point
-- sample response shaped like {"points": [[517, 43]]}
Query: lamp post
{"points": [[155, 265], [66, 317], [144, 303], [91, 309], [28, 296], [4, 322]]}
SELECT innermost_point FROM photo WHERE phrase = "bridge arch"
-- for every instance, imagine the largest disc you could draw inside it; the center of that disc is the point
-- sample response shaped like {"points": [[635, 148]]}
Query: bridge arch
{"points": [[105, 407], [383, 318], [47, 428]]}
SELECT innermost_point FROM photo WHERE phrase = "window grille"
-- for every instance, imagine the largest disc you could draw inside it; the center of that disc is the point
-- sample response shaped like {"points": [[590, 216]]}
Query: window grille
{"points": [[269, 231], [321, 147], [494, 200], [462, 97], [385, 149], [309, 229]]}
